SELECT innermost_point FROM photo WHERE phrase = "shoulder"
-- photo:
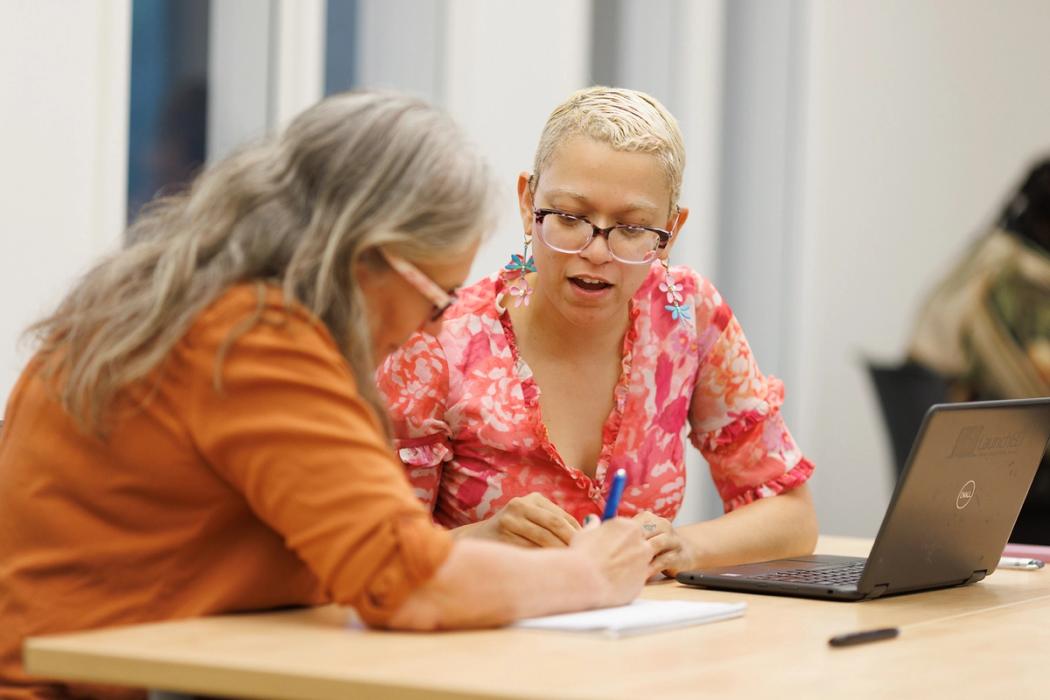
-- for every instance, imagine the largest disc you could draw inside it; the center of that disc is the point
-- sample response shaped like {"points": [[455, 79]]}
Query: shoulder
{"points": [[265, 300], [476, 298], [474, 324], [712, 310], [687, 281], [425, 354], [258, 314], [698, 295], [476, 311], [252, 343], [469, 330]]}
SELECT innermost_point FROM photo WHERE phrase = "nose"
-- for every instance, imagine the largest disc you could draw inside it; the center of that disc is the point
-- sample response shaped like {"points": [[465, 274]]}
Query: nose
{"points": [[597, 250]]}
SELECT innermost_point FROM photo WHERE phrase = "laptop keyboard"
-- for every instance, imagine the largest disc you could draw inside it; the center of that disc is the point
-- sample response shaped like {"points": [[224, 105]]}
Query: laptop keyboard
{"points": [[839, 575]]}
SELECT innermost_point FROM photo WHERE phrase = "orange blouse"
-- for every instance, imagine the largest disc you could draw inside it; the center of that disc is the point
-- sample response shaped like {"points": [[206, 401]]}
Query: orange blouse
{"points": [[277, 489]]}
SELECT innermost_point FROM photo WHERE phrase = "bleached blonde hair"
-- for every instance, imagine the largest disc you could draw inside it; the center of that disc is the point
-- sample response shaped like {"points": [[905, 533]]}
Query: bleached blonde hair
{"points": [[354, 172], [626, 120]]}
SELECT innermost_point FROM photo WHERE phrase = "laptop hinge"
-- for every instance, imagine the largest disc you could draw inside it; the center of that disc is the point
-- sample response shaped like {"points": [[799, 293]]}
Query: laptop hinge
{"points": [[975, 577], [877, 590]]}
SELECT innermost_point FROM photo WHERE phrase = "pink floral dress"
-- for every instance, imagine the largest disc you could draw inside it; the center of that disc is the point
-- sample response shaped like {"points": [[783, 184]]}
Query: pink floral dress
{"points": [[466, 415]]}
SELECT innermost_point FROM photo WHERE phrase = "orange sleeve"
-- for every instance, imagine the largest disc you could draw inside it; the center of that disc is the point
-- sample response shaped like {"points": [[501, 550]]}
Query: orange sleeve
{"points": [[289, 431]]}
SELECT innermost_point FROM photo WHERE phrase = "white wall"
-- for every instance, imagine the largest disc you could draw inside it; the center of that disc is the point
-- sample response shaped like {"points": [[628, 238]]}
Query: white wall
{"points": [[392, 53], [502, 77], [63, 136], [265, 65], [919, 117], [240, 42], [297, 77]]}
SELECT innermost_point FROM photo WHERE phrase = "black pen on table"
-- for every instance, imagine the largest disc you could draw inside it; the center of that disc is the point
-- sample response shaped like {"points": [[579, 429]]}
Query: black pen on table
{"points": [[863, 636]]}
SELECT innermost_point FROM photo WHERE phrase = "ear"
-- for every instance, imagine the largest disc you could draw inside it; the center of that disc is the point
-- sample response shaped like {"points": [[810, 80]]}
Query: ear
{"points": [[525, 204], [675, 224], [373, 276]]}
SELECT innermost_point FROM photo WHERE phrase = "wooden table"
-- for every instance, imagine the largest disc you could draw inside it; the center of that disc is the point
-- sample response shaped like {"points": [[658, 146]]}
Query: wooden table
{"points": [[992, 638]]}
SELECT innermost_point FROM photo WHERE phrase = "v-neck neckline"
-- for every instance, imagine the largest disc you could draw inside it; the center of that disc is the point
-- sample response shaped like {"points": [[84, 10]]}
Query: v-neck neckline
{"points": [[531, 391]]}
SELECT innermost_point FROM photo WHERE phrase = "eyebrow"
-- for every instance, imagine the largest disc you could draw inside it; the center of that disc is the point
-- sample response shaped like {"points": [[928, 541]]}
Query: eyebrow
{"points": [[631, 207]]}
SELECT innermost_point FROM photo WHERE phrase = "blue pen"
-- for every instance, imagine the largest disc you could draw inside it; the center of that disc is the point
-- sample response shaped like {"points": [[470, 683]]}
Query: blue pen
{"points": [[612, 504]]}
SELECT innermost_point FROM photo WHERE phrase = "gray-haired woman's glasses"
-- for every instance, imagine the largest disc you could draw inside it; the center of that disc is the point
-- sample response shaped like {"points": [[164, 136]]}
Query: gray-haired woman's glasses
{"points": [[568, 233], [430, 290]]}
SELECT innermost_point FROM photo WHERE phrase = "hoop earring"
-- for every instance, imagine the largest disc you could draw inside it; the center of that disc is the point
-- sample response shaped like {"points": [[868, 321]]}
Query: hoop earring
{"points": [[674, 296], [515, 271]]}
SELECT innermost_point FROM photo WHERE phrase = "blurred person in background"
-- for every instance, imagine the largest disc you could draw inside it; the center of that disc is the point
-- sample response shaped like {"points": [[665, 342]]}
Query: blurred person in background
{"points": [[984, 332]]}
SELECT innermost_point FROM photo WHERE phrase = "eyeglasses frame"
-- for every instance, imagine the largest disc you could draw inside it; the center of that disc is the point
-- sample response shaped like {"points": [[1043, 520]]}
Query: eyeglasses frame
{"points": [[665, 236], [430, 289]]}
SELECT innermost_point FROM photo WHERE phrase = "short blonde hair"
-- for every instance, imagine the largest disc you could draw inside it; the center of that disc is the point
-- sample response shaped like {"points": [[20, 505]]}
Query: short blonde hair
{"points": [[627, 120]]}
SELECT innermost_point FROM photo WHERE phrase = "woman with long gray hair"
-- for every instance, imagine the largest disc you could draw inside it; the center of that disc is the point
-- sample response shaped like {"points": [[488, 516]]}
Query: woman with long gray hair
{"points": [[199, 430]]}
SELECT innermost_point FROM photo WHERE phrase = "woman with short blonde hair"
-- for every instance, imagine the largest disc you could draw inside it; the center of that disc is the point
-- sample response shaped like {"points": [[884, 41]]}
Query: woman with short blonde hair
{"points": [[597, 355]]}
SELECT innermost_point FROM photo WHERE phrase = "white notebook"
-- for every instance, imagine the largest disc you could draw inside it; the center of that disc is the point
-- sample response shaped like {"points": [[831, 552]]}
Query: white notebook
{"points": [[637, 618]]}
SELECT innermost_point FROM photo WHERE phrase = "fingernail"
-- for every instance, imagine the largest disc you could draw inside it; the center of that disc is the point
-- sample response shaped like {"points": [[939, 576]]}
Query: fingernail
{"points": [[590, 518]]}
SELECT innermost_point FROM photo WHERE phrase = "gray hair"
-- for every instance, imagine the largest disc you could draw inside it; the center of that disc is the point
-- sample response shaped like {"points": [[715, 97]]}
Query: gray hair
{"points": [[354, 172]]}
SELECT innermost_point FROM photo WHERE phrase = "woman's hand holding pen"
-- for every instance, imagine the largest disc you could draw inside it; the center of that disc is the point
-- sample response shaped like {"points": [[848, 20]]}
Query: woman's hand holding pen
{"points": [[619, 550], [529, 521], [671, 552]]}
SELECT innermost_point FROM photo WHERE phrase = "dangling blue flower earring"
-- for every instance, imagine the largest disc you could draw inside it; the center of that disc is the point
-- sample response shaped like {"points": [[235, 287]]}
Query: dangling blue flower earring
{"points": [[515, 271], [674, 296]]}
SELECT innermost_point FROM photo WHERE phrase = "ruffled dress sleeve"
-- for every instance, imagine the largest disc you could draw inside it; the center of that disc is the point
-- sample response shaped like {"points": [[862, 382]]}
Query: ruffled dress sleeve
{"points": [[736, 423], [414, 382]]}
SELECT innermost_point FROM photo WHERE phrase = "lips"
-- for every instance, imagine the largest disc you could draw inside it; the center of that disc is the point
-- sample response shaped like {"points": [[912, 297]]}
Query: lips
{"points": [[589, 283]]}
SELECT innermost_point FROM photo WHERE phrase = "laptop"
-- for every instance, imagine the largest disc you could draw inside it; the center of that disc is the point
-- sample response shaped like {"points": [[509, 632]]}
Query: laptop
{"points": [[954, 506]]}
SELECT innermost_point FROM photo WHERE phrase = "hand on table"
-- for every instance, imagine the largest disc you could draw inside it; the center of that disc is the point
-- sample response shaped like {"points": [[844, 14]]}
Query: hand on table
{"points": [[671, 552]]}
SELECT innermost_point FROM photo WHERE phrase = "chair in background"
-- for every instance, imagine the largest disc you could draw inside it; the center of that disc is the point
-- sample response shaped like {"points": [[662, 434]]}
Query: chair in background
{"points": [[905, 393]]}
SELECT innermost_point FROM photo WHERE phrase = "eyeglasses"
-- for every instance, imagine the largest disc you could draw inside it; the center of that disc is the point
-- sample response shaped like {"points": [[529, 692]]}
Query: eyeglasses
{"points": [[568, 233], [423, 284]]}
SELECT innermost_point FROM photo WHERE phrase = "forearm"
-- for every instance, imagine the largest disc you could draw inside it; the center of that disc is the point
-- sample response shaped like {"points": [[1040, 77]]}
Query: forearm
{"points": [[769, 528], [485, 584], [470, 530]]}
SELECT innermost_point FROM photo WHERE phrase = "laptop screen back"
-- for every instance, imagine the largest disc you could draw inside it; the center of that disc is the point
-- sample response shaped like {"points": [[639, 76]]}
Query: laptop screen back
{"points": [[960, 493]]}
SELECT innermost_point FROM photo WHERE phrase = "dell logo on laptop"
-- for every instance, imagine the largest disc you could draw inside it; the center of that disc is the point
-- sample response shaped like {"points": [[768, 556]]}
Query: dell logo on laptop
{"points": [[965, 494]]}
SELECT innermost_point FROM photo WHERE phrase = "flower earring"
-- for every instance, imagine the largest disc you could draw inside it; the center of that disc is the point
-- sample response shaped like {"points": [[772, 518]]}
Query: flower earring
{"points": [[515, 271], [674, 295]]}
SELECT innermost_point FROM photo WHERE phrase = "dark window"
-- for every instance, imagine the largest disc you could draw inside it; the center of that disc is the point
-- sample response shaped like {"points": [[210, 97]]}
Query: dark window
{"points": [[340, 42], [169, 97]]}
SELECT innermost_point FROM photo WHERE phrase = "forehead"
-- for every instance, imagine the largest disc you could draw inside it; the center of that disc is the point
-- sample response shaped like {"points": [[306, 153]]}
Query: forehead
{"points": [[584, 168]]}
